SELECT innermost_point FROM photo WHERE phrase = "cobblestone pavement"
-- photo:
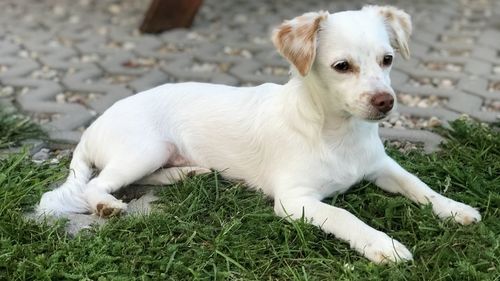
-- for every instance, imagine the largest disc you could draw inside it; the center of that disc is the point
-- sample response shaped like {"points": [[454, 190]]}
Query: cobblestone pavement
{"points": [[65, 62]]}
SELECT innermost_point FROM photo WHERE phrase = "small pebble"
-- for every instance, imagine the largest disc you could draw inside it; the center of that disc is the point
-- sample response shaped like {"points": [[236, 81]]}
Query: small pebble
{"points": [[59, 10], [41, 155], [74, 19], [421, 101], [404, 146], [114, 9], [6, 91], [399, 121], [434, 122], [128, 46], [491, 106], [241, 18], [204, 67], [60, 98], [494, 86]]}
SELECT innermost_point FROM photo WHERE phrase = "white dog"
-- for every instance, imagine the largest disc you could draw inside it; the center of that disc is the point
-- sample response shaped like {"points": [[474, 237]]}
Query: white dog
{"points": [[315, 136]]}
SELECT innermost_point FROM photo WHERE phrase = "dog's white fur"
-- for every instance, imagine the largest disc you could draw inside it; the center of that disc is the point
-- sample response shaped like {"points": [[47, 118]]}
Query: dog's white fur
{"points": [[298, 143]]}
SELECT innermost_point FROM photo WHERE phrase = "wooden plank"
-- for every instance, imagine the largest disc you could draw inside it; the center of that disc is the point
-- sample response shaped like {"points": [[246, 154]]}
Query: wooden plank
{"points": [[167, 14]]}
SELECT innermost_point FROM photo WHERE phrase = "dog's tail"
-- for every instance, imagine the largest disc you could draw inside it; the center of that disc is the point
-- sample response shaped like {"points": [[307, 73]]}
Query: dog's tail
{"points": [[68, 198]]}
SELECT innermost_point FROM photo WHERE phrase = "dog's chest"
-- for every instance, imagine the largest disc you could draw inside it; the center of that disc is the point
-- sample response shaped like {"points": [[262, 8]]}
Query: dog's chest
{"points": [[345, 163]]}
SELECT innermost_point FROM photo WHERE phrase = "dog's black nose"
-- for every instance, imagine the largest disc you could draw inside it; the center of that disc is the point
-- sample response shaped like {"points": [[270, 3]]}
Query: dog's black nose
{"points": [[383, 102]]}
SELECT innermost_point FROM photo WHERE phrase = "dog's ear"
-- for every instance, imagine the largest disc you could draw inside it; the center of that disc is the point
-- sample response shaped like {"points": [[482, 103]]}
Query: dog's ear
{"points": [[398, 25], [296, 39]]}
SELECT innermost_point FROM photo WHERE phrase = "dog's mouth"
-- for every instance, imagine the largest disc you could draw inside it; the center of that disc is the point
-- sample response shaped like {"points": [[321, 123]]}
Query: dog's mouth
{"points": [[375, 119], [376, 116], [369, 113], [371, 116]]}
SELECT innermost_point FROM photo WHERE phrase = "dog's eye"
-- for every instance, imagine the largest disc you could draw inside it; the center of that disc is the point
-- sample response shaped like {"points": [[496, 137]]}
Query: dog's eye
{"points": [[387, 61], [341, 66]]}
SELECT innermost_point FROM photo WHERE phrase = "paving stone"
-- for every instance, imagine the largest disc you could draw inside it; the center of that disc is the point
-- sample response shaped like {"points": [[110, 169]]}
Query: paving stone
{"points": [[17, 66], [430, 140], [149, 80], [8, 48], [34, 145], [477, 67]]}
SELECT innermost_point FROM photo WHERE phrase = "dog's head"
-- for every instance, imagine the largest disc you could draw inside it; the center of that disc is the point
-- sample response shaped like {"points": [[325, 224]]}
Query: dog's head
{"points": [[349, 54]]}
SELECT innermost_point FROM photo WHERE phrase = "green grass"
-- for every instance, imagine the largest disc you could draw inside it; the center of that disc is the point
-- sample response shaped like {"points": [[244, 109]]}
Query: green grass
{"points": [[15, 128], [208, 228]]}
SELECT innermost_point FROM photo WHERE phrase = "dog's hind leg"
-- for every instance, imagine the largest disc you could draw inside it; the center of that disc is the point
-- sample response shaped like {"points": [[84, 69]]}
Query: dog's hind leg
{"points": [[172, 175], [121, 170]]}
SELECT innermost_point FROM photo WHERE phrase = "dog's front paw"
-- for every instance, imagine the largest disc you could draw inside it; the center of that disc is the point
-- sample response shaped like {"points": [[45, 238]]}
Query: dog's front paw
{"points": [[381, 249], [461, 213]]}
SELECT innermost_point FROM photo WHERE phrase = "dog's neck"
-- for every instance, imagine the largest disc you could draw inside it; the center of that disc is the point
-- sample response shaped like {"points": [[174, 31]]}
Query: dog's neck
{"points": [[306, 107]]}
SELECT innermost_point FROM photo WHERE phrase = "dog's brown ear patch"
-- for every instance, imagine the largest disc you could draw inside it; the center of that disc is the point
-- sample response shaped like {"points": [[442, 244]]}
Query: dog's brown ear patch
{"points": [[296, 40], [398, 25]]}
